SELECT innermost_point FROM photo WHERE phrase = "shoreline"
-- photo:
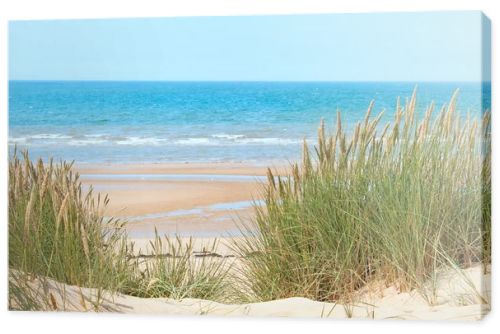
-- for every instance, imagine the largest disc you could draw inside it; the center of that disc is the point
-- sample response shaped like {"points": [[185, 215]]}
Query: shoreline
{"points": [[215, 168], [196, 200]]}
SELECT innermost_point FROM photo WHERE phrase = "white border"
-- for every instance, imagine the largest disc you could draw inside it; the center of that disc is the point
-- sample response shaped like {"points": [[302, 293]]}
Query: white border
{"points": [[109, 323]]}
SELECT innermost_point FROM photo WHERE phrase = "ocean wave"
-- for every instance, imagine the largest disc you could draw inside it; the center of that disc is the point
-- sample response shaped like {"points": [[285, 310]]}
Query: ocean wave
{"points": [[43, 137], [271, 141], [220, 139], [196, 141], [139, 141], [227, 136], [85, 142], [18, 140], [50, 136]]}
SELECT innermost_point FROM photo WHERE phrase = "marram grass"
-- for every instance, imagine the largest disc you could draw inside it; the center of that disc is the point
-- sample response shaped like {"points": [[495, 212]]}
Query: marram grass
{"points": [[395, 203], [173, 272], [57, 231]]}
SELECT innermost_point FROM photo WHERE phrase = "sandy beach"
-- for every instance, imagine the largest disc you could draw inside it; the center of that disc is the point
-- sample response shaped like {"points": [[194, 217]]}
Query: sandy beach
{"points": [[199, 200]]}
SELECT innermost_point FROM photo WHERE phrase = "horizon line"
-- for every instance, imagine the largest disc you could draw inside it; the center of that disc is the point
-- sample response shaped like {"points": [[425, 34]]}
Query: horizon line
{"points": [[251, 81]]}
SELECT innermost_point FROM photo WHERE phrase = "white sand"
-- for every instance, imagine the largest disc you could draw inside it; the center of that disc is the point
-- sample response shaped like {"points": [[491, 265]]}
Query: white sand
{"points": [[460, 295]]}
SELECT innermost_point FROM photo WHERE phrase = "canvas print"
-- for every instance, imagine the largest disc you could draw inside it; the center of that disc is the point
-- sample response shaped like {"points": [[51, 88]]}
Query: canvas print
{"points": [[324, 166]]}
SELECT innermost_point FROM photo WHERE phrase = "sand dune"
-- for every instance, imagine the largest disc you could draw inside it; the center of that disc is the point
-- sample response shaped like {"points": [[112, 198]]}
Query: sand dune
{"points": [[460, 295]]}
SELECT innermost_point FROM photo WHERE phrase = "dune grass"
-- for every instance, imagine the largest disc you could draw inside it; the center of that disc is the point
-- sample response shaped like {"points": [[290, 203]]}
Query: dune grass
{"points": [[394, 203], [58, 231], [173, 272]]}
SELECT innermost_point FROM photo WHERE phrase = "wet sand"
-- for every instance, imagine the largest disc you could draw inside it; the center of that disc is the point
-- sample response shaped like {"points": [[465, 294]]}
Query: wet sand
{"points": [[199, 200], [214, 168]]}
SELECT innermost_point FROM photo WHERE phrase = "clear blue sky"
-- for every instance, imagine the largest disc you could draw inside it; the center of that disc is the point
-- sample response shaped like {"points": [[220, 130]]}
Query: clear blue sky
{"points": [[438, 46]]}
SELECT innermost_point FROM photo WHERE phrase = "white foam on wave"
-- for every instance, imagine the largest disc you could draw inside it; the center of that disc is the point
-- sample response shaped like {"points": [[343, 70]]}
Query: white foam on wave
{"points": [[271, 141], [85, 142], [43, 137], [135, 141], [17, 140], [58, 139], [97, 135], [219, 139], [227, 136], [195, 141], [236, 140], [50, 136]]}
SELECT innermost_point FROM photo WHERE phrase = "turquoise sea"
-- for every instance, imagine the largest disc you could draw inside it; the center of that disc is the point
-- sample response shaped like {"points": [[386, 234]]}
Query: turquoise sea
{"points": [[125, 122]]}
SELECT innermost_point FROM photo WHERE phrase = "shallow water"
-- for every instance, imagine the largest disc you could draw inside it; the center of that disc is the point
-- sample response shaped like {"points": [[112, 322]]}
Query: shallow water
{"points": [[197, 215], [235, 205], [202, 211]]}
